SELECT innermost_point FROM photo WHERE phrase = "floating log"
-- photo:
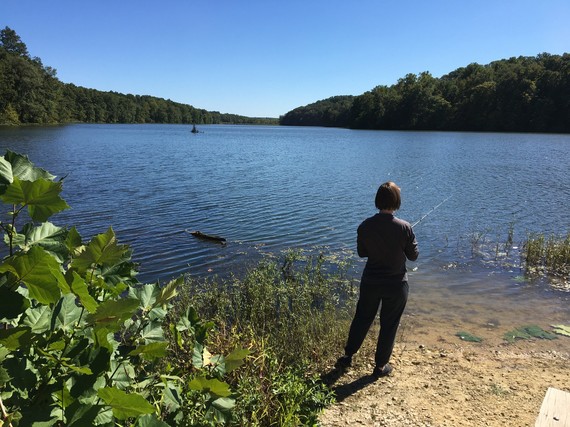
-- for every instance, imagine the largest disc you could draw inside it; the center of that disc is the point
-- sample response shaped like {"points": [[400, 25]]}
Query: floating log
{"points": [[210, 237]]}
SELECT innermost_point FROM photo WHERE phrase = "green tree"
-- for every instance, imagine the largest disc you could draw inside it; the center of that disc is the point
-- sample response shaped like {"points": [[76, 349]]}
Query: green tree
{"points": [[37, 96], [516, 94], [11, 42], [9, 116]]}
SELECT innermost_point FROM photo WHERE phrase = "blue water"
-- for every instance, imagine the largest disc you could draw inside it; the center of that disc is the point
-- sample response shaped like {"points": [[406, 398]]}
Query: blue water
{"points": [[266, 189]]}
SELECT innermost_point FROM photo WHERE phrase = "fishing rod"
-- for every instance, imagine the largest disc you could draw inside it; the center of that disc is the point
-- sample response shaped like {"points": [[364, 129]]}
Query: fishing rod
{"points": [[429, 212], [425, 216]]}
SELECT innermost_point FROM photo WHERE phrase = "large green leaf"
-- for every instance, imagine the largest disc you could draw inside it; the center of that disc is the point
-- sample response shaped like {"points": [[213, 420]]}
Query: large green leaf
{"points": [[40, 272], [3, 353], [73, 242], [80, 415], [46, 235], [188, 320], [152, 332], [224, 404], [66, 313], [40, 196], [112, 290], [23, 373], [125, 405], [15, 338], [236, 358], [24, 169], [220, 410], [124, 373], [120, 270], [38, 319], [210, 385], [104, 338], [79, 288], [16, 165], [171, 400], [169, 291], [113, 313], [83, 370], [150, 420], [146, 294], [4, 377], [6, 176], [198, 355], [151, 351], [102, 249]]}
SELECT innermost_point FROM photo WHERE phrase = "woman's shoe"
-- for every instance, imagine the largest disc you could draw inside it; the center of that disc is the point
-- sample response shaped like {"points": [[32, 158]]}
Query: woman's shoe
{"points": [[382, 371], [343, 362]]}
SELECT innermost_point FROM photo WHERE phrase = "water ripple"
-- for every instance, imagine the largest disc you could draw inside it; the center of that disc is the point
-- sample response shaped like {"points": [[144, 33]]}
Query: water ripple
{"points": [[265, 189]]}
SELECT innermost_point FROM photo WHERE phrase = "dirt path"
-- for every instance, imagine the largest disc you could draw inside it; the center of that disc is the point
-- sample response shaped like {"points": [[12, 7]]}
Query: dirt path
{"points": [[439, 380]]}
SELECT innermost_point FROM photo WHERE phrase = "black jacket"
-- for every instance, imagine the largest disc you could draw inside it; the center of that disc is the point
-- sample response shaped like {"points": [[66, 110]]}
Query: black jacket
{"points": [[387, 241]]}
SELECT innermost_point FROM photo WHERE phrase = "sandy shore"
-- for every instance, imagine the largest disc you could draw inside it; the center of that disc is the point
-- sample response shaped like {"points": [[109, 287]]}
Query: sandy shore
{"points": [[440, 380]]}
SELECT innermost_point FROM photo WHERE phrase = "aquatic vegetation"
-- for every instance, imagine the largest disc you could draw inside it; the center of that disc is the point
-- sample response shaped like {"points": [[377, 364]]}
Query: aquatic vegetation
{"points": [[528, 332], [540, 258], [547, 255], [466, 336], [561, 330]]}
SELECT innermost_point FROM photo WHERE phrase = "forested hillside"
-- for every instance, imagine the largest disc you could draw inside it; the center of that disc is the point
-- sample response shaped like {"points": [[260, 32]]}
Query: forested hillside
{"points": [[31, 93], [524, 94]]}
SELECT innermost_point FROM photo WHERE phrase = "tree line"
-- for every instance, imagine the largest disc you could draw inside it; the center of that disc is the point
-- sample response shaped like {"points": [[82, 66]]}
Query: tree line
{"points": [[31, 93], [523, 94]]}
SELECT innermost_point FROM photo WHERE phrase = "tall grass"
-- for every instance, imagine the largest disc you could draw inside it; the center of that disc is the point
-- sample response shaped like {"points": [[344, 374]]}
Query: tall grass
{"points": [[293, 314], [547, 255]]}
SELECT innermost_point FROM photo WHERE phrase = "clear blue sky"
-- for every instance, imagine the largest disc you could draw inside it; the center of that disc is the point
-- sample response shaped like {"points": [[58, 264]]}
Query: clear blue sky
{"points": [[264, 57]]}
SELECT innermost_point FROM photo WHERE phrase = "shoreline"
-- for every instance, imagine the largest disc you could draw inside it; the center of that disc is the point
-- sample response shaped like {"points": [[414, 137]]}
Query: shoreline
{"points": [[440, 380]]}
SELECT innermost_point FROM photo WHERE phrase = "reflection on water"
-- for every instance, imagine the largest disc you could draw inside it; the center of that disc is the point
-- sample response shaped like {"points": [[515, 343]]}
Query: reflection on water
{"points": [[266, 189]]}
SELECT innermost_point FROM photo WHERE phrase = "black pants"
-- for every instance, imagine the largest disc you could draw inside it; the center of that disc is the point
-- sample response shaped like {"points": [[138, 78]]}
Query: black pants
{"points": [[393, 298]]}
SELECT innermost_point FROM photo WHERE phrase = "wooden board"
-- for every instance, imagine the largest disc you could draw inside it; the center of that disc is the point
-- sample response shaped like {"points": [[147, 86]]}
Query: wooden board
{"points": [[555, 409]]}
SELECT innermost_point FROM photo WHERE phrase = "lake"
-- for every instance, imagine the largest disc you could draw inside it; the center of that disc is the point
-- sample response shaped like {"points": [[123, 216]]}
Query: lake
{"points": [[266, 189]]}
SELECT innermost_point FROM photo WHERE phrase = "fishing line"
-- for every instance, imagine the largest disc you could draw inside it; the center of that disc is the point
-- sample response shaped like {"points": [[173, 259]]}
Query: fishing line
{"points": [[429, 212], [425, 216]]}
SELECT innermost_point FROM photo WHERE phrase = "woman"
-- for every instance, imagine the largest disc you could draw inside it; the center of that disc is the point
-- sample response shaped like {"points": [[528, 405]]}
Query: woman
{"points": [[387, 241]]}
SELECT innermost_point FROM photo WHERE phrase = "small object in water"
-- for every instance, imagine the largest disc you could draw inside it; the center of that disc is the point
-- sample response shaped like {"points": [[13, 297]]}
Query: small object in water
{"points": [[194, 130], [211, 237]]}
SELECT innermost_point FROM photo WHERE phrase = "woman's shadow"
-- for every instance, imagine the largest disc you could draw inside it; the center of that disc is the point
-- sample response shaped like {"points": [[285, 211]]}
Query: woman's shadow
{"points": [[343, 391]]}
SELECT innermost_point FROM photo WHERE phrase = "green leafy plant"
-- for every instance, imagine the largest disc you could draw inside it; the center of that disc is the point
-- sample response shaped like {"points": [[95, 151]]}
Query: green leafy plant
{"points": [[528, 332], [467, 336], [81, 341], [561, 330], [300, 308], [293, 314], [547, 255]]}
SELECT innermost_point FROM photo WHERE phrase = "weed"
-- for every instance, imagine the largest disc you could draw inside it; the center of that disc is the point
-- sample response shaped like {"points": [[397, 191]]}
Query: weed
{"points": [[498, 390], [550, 256], [293, 316]]}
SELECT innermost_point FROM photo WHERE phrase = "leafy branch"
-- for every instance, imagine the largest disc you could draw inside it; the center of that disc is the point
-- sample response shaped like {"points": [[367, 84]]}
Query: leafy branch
{"points": [[82, 342]]}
